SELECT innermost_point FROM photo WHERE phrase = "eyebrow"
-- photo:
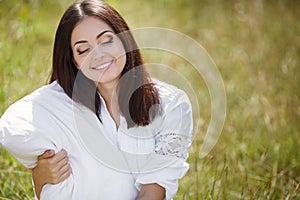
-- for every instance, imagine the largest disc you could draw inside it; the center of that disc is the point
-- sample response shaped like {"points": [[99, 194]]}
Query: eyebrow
{"points": [[97, 37]]}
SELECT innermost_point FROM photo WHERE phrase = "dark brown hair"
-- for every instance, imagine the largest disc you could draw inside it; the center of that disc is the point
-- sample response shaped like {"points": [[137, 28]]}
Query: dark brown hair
{"points": [[133, 106]]}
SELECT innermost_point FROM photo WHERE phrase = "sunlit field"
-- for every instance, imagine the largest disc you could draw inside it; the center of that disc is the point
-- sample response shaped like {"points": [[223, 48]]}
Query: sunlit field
{"points": [[256, 46]]}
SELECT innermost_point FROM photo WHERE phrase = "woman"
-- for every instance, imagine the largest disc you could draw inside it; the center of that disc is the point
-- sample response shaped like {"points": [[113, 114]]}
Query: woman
{"points": [[99, 85]]}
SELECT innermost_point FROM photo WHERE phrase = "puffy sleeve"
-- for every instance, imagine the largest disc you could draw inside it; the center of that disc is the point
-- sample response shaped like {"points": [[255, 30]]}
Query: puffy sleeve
{"points": [[171, 142]]}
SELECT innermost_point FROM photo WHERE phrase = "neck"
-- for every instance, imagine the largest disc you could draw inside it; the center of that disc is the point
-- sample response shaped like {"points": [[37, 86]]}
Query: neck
{"points": [[108, 92]]}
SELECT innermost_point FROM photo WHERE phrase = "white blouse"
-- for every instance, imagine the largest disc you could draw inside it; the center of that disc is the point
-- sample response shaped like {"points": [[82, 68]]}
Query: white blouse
{"points": [[108, 162]]}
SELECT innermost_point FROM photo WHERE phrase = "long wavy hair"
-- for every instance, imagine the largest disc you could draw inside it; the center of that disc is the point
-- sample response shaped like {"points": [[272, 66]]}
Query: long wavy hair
{"points": [[134, 106]]}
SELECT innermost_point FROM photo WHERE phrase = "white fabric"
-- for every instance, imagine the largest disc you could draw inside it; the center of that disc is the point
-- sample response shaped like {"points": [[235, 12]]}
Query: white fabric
{"points": [[45, 120]]}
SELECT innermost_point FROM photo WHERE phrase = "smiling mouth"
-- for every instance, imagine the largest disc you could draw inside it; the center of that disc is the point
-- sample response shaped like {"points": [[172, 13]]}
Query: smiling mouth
{"points": [[103, 66]]}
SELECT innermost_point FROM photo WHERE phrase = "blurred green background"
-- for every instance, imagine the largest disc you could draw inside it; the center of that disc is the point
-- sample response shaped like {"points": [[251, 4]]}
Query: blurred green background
{"points": [[256, 46]]}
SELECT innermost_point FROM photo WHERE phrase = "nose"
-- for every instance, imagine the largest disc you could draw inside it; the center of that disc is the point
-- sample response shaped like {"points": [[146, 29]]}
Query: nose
{"points": [[97, 53]]}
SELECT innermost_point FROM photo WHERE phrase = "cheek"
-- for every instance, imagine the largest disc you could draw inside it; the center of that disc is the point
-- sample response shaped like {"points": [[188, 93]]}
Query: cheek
{"points": [[122, 61], [118, 50], [77, 61]]}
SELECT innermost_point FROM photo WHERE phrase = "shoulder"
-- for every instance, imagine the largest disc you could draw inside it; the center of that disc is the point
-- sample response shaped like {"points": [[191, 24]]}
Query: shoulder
{"points": [[170, 94]]}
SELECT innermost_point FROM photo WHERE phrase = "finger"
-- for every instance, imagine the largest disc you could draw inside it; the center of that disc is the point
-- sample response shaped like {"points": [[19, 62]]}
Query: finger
{"points": [[65, 169], [65, 175], [62, 163], [47, 154], [61, 176], [59, 156]]}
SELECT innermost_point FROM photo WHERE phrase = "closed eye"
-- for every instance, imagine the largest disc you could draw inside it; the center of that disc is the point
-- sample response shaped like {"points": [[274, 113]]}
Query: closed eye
{"points": [[82, 52], [110, 40]]}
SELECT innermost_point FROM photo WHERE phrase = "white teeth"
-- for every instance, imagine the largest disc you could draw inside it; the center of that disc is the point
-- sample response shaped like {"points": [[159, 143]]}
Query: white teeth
{"points": [[103, 66]]}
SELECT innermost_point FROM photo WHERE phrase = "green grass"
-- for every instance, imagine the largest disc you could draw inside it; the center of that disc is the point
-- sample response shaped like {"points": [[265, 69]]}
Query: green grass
{"points": [[255, 44]]}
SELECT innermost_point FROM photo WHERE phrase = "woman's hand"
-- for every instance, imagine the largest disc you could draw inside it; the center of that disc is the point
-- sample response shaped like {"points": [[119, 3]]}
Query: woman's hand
{"points": [[51, 169], [151, 191]]}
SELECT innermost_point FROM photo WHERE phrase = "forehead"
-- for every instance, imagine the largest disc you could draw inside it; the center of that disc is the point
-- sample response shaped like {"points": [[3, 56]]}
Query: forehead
{"points": [[88, 29]]}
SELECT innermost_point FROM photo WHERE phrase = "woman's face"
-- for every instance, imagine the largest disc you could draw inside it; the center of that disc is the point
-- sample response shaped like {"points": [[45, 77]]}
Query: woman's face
{"points": [[97, 51]]}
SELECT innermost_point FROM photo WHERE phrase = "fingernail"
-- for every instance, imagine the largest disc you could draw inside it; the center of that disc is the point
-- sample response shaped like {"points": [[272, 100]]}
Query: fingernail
{"points": [[50, 151]]}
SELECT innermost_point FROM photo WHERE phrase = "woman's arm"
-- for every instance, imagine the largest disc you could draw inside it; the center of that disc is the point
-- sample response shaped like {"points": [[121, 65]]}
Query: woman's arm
{"points": [[51, 168], [151, 192]]}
